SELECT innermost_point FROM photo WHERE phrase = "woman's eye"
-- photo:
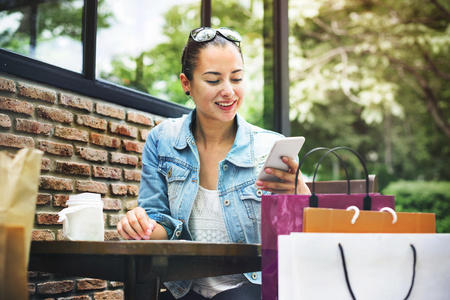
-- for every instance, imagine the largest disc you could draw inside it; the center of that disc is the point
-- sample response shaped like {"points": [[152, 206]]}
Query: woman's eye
{"points": [[213, 81], [236, 80]]}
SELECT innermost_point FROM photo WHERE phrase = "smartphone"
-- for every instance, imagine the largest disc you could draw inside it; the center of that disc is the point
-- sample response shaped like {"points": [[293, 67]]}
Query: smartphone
{"points": [[289, 147]]}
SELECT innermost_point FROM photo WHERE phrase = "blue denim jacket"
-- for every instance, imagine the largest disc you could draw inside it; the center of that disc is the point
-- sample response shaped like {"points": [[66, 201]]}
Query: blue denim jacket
{"points": [[170, 180]]}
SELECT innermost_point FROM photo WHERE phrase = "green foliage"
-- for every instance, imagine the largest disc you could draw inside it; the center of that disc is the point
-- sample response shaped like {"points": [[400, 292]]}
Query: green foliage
{"points": [[53, 19], [423, 196], [374, 76], [156, 71]]}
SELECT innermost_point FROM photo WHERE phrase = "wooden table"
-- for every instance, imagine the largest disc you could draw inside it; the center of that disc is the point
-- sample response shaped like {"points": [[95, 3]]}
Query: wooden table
{"points": [[143, 265]]}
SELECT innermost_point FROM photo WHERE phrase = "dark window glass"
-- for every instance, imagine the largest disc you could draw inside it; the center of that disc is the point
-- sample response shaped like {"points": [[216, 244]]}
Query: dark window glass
{"points": [[49, 31], [142, 46]]}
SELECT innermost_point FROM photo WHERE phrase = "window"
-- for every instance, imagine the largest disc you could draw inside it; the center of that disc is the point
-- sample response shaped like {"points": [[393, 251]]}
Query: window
{"points": [[49, 31], [128, 52]]}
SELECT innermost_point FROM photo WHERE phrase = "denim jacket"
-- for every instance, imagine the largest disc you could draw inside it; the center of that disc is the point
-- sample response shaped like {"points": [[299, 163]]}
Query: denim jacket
{"points": [[170, 180]]}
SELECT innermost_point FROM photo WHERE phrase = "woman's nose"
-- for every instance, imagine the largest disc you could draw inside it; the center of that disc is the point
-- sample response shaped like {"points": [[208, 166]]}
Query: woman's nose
{"points": [[227, 90]]}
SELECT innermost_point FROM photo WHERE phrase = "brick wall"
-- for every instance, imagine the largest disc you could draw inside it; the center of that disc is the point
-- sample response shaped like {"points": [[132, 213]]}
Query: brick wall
{"points": [[89, 145]]}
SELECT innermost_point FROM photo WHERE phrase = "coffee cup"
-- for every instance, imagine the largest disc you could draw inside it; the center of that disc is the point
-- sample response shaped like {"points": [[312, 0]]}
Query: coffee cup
{"points": [[83, 218]]}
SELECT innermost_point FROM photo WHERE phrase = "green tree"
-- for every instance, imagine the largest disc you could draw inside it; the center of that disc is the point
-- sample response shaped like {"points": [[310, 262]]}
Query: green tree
{"points": [[373, 75], [157, 69], [40, 22]]}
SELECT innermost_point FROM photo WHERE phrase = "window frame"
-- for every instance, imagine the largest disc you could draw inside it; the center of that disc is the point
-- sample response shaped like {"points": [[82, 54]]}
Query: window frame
{"points": [[87, 84]]}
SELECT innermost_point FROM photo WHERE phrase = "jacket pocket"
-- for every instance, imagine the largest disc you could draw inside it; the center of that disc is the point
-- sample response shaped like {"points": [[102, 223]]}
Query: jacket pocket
{"points": [[251, 199], [175, 175]]}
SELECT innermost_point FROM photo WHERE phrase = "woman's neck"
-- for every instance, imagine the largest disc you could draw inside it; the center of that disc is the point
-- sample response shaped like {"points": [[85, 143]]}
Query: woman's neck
{"points": [[213, 134]]}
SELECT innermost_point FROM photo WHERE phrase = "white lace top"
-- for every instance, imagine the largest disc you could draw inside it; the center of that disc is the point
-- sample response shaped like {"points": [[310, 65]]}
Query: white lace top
{"points": [[206, 224]]}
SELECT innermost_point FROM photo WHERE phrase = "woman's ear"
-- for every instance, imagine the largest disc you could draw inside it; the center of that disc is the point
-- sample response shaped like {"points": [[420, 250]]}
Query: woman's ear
{"points": [[185, 83]]}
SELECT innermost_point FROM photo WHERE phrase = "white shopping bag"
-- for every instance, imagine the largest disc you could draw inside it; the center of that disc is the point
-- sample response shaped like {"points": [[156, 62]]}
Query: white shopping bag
{"points": [[364, 266]]}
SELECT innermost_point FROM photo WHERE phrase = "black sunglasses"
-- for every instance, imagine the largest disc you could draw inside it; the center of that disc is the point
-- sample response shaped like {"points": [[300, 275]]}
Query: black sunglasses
{"points": [[205, 34]]}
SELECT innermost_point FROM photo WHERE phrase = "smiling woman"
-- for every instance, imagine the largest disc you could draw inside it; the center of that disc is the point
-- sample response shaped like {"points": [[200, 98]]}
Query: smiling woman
{"points": [[199, 171]]}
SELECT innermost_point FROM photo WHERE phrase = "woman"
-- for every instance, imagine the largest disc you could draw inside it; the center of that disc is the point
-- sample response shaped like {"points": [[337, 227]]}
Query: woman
{"points": [[199, 172]]}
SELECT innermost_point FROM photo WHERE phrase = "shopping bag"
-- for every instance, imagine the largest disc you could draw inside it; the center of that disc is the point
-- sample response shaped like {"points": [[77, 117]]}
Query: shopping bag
{"points": [[19, 181], [13, 267], [283, 214], [364, 266], [353, 220]]}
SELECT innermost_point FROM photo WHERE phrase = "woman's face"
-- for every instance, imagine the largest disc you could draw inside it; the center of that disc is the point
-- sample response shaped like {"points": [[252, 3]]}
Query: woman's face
{"points": [[217, 87]]}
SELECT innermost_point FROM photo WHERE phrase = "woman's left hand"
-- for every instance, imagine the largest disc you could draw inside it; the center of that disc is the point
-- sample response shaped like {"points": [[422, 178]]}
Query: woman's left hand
{"points": [[287, 183]]}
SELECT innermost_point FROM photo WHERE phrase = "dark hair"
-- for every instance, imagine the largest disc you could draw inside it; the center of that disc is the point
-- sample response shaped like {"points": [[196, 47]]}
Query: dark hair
{"points": [[191, 52]]}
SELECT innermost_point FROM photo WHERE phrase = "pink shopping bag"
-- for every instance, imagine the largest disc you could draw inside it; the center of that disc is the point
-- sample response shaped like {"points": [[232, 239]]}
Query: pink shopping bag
{"points": [[283, 214]]}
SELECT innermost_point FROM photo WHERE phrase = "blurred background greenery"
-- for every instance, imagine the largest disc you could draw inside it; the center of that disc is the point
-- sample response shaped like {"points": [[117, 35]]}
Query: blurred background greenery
{"points": [[372, 75]]}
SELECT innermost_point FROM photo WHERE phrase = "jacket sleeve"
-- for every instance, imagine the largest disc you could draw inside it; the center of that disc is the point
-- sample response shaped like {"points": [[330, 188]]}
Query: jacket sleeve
{"points": [[153, 194]]}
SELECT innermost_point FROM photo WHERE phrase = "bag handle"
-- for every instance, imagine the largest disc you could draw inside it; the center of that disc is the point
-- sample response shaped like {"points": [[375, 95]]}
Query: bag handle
{"points": [[347, 280], [315, 150], [367, 205], [313, 199]]}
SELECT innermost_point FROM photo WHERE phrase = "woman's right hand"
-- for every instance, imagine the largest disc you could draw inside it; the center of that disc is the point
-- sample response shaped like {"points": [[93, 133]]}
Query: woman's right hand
{"points": [[136, 225]]}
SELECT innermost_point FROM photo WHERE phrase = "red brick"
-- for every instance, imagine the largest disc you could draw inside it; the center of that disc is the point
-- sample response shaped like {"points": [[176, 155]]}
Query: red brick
{"points": [[125, 159], [109, 295], [77, 102], [42, 235], [55, 148], [91, 186], [112, 235], [132, 175], [119, 189], [85, 297], [7, 85], [144, 134], [54, 114], [54, 287], [16, 141], [139, 119], [133, 190], [38, 93], [43, 218], [31, 288], [115, 284], [33, 127], [60, 200], [91, 284], [114, 219], [110, 111], [73, 168], [92, 122], [123, 129], [133, 146], [38, 275], [104, 140], [43, 199], [54, 183], [60, 235], [46, 164], [106, 172], [16, 106], [112, 204], [71, 134], [92, 154], [131, 205], [5, 121]]}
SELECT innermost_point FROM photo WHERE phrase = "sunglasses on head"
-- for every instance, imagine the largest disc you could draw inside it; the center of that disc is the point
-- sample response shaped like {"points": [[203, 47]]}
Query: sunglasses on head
{"points": [[205, 34]]}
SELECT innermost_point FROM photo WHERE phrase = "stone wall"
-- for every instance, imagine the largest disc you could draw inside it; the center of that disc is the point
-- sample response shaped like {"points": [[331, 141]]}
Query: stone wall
{"points": [[89, 145]]}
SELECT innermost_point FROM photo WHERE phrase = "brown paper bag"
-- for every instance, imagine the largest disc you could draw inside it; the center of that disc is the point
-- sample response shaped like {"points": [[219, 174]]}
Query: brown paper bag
{"points": [[13, 267], [19, 181]]}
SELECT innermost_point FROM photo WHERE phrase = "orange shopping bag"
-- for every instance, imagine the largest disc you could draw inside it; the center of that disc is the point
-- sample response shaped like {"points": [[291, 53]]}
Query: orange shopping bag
{"points": [[353, 220]]}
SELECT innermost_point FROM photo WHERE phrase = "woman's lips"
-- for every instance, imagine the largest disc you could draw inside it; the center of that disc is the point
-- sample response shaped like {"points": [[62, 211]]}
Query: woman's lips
{"points": [[226, 105]]}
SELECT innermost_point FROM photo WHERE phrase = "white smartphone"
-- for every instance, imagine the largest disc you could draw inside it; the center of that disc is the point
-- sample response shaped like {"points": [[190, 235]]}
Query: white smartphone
{"points": [[289, 147]]}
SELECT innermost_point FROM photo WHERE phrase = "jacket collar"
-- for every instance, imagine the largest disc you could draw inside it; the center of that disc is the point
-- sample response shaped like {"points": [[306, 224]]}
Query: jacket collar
{"points": [[241, 154]]}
